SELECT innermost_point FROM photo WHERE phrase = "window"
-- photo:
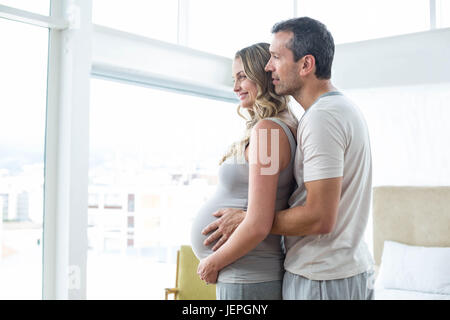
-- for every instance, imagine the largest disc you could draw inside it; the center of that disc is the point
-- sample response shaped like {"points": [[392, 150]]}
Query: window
{"points": [[224, 27], [153, 19], [354, 20], [113, 201], [442, 13], [23, 77], [36, 6], [93, 200], [158, 152]]}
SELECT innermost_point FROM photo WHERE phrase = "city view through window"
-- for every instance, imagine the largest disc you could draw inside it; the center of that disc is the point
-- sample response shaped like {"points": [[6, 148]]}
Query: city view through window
{"points": [[23, 80], [153, 162]]}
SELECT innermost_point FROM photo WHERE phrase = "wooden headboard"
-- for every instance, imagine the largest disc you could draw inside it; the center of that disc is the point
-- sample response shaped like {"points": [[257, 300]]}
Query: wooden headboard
{"points": [[411, 215]]}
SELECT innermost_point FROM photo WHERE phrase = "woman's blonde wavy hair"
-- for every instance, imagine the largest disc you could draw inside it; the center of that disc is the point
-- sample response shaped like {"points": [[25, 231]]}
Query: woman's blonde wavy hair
{"points": [[268, 104]]}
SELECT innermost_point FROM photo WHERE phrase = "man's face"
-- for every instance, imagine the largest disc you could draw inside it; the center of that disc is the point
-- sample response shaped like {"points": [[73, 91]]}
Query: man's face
{"points": [[285, 72]]}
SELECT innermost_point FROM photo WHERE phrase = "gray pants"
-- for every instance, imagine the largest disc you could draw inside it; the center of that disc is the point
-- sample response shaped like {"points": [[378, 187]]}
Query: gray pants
{"points": [[270, 290], [358, 287]]}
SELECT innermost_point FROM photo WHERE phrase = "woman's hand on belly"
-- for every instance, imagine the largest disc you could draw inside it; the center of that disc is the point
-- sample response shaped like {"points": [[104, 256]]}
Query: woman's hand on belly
{"points": [[207, 271], [229, 220]]}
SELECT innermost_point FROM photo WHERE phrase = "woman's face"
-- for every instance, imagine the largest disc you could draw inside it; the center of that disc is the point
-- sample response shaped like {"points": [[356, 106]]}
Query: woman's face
{"points": [[245, 88]]}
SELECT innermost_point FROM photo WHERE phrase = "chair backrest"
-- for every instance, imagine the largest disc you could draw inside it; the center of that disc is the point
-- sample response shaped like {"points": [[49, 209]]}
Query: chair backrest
{"points": [[188, 283]]}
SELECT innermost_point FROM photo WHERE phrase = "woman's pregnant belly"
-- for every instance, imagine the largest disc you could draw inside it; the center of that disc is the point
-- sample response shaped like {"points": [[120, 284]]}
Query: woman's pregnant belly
{"points": [[263, 263], [205, 217]]}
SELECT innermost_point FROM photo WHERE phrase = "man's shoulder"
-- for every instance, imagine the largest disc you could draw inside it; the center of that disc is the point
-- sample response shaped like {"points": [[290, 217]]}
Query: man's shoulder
{"points": [[320, 114], [333, 108], [340, 101]]}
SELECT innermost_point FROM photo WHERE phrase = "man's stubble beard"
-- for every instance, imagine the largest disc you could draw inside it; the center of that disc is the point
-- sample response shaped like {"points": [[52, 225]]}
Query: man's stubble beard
{"points": [[287, 90]]}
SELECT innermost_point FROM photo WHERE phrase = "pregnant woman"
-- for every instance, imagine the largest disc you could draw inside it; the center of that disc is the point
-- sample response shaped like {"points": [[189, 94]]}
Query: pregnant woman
{"points": [[256, 175]]}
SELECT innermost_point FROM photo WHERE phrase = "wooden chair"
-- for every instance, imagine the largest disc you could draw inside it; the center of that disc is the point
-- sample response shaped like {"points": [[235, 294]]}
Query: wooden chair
{"points": [[188, 285]]}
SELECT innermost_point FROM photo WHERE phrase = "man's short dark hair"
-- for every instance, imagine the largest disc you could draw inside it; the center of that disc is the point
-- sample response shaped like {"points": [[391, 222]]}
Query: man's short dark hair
{"points": [[310, 37]]}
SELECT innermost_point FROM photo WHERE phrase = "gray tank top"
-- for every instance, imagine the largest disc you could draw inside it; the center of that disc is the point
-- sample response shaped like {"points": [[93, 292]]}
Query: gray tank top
{"points": [[265, 262]]}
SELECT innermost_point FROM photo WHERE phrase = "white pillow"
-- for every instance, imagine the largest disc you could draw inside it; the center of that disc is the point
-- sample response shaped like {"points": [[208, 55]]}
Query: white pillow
{"points": [[405, 267]]}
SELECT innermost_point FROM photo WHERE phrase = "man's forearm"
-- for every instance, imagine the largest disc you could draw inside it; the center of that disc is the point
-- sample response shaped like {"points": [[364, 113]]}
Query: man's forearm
{"points": [[296, 221]]}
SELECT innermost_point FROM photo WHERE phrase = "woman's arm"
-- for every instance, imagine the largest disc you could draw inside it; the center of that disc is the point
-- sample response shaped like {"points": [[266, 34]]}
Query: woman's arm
{"points": [[263, 184]]}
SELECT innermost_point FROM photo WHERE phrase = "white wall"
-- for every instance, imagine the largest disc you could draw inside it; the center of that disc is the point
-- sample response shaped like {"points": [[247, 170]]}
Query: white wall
{"points": [[402, 86], [417, 58]]}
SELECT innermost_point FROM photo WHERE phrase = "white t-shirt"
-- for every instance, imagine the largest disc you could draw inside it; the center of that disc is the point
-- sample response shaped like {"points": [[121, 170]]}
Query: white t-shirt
{"points": [[333, 141]]}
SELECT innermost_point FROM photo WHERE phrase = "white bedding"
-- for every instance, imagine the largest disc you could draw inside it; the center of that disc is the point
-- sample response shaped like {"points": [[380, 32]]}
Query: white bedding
{"points": [[394, 294]]}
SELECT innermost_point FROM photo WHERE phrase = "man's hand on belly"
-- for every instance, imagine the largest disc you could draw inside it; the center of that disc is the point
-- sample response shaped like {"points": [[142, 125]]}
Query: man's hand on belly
{"points": [[229, 220]]}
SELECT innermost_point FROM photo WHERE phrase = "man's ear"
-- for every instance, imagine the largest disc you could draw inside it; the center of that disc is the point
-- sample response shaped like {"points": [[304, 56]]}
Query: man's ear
{"points": [[308, 65]]}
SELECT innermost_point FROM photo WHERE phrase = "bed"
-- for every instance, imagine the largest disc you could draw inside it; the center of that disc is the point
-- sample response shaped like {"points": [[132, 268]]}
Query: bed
{"points": [[411, 238]]}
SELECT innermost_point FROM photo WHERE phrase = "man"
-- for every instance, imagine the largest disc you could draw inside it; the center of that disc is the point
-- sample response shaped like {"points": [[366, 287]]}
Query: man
{"points": [[326, 257]]}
